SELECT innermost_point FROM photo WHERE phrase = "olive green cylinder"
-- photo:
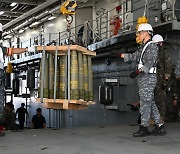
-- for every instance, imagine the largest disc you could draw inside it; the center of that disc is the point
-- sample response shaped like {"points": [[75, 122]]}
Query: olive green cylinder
{"points": [[46, 76], [51, 75], [81, 78], [62, 83], [90, 83], [46, 82], [58, 78], [86, 79], [39, 86], [74, 76]]}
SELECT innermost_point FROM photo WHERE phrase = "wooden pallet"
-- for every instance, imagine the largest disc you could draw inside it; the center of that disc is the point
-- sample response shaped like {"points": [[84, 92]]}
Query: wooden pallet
{"points": [[63, 104], [18, 50], [63, 49]]}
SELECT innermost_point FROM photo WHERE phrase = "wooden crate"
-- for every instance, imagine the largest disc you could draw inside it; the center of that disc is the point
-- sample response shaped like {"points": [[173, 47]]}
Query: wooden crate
{"points": [[18, 50], [62, 103]]}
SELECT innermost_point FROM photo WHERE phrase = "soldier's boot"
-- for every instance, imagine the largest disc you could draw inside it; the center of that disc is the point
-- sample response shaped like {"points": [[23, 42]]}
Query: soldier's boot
{"points": [[158, 130], [143, 131]]}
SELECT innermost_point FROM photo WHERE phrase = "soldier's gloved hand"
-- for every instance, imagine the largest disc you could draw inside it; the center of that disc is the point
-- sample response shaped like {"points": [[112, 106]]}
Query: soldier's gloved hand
{"points": [[135, 73]]}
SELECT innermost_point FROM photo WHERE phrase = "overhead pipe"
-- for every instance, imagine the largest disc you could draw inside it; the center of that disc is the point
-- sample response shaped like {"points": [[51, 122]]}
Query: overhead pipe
{"points": [[15, 7], [31, 20], [43, 14], [33, 11], [21, 25], [23, 6], [36, 10], [24, 24], [30, 13], [54, 9], [28, 2], [44, 19]]}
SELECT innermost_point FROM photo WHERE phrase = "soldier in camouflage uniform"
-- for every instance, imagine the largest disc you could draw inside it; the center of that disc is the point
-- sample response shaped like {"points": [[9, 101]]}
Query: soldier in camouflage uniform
{"points": [[147, 58], [176, 101], [172, 101], [164, 68]]}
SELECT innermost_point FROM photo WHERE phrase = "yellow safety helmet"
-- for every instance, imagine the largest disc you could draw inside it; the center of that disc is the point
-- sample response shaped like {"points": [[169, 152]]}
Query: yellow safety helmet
{"points": [[142, 20]]}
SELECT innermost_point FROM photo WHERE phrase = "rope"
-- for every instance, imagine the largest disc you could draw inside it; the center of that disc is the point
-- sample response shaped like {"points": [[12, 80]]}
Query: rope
{"points": [[145, 8]]}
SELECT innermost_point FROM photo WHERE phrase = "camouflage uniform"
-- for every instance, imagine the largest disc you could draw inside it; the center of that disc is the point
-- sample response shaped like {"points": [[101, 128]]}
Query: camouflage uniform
{"points": [[164, 68], [177, 91], [172, 93], [147, 82]]}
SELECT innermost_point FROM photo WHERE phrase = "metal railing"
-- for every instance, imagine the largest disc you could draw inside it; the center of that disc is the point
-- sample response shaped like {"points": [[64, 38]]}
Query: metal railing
{"points": [[100, 27]]}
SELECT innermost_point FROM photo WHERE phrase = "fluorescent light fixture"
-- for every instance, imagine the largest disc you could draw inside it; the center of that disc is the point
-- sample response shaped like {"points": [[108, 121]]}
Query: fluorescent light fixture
{"points": [[13, 4], [21, 31], [34, 32], [1, 12], [50, 25], [35, 23], [51, 18]]}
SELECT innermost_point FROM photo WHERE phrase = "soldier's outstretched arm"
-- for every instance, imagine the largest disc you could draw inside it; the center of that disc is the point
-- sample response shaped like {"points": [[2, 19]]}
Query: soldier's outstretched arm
{"points": [[131, 57]]}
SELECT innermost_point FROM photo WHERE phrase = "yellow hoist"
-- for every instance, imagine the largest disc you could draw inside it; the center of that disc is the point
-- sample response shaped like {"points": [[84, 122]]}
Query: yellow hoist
{"points": [[68, 8]]}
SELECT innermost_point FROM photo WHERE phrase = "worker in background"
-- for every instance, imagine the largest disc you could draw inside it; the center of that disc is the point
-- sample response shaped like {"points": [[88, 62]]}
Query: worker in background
{"points": [[38, 120], [8, 118], [21, 115], [172, 101], [12, 105], [164, 68], [146, 72], [176, 101]]}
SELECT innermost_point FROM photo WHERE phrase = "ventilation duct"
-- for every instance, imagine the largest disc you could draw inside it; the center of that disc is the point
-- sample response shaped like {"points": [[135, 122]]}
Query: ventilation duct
{"points": [[30, 13], [43, 14], [24, 24], [54, 9]]}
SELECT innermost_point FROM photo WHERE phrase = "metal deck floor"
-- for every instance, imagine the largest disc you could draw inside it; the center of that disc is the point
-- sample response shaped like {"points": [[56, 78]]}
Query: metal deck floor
{"points": [[91, 140]]}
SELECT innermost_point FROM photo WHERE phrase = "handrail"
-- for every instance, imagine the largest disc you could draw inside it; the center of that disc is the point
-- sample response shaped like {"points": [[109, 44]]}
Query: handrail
{"points": [[102, 29]]}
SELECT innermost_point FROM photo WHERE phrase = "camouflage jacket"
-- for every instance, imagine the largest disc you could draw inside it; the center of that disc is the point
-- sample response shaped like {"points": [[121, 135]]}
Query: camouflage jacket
{"points": [[164, 66], [149, 58]]}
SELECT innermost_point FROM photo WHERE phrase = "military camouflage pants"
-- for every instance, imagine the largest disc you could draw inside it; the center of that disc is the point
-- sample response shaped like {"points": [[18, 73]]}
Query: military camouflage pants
{"points": [[171, 111], [1, 91], [148, 108], [160, 99]]}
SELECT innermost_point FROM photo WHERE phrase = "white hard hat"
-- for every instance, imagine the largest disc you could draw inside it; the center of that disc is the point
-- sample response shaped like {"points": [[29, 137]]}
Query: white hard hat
{"points": [[145, 27], [157, 38], [0, 27]]}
